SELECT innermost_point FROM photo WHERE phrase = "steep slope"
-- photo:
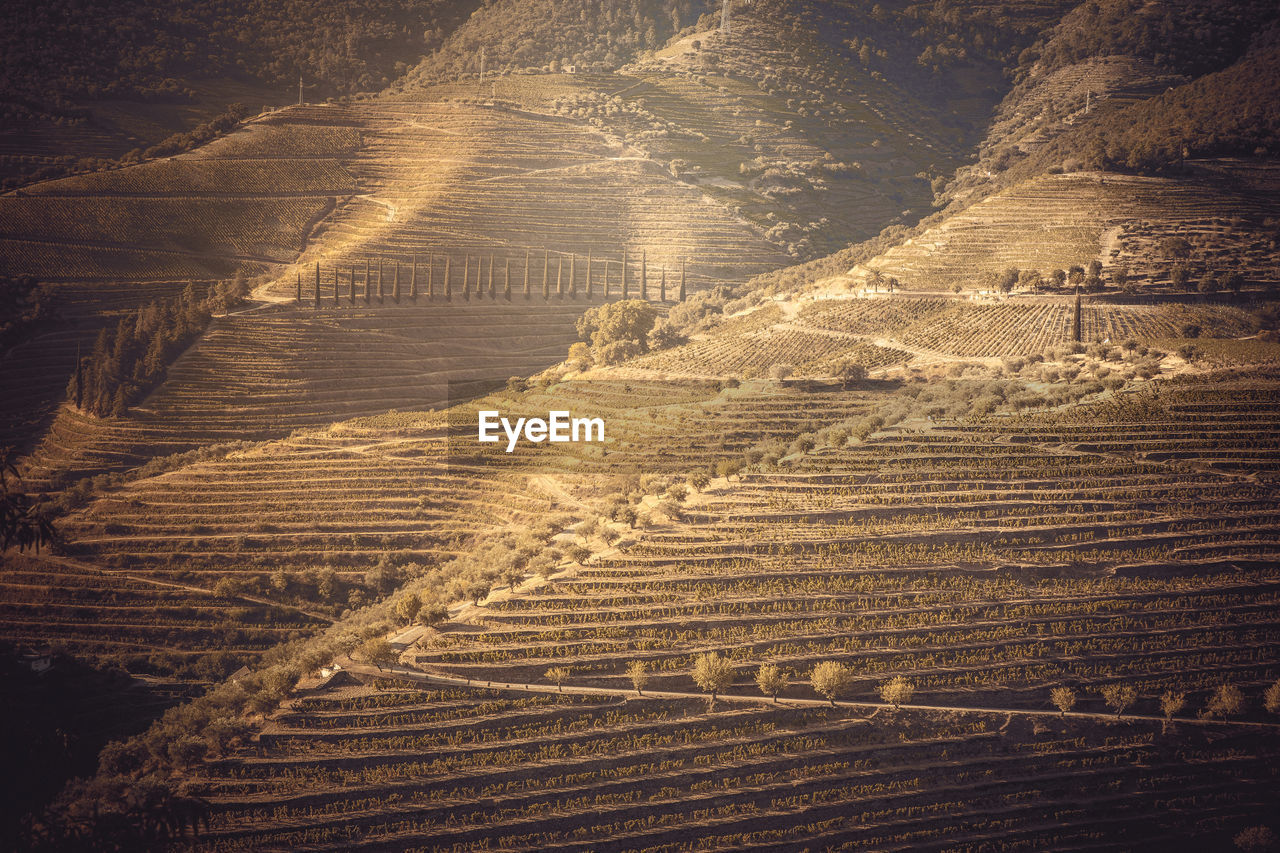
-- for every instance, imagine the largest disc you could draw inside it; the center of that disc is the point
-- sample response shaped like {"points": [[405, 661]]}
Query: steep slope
{"points": [[88, 84], [1135, 86]]}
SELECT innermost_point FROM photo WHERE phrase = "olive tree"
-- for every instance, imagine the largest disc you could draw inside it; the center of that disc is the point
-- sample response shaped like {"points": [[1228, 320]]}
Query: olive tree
{"points": [[1063, 698], [712, 673], [1119, 696], [559, 675], [379, 652], [639, 675], [771, 680], [1226, 701], [897, 690], [830, 679]]}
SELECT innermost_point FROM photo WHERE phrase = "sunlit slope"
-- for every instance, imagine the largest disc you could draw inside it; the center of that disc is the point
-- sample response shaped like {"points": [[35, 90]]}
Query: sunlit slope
{"points": [[245, 202], [447, 178], [1058, 221], [905, 554]]}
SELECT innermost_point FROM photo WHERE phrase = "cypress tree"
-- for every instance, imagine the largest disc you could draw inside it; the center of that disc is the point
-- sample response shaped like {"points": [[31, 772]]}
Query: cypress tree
{"points": [[662, 287], [380, 293], [493, 294], [560, 275], [526, 273], [1075, 323], [351, 293], [644, 273], [573, 275], [466, 278], [368, 280], [299, 299], [624, 273], [431, 276], [317, 285], [588, 273], [413, 280], [506, 279], [448, 285], [682, 279], [395, 283], [546, 270]]}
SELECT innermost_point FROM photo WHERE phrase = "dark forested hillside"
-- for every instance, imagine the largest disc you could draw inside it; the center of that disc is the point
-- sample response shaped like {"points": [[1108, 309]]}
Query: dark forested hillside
{"points": [[84, 82], [536, 34], [1140, 87], [58, 52]]}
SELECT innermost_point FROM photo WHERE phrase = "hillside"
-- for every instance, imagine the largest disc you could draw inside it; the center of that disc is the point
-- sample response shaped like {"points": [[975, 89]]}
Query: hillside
{"points": [[1134, 87], [717, 176], [87, 85], [936, 501]]}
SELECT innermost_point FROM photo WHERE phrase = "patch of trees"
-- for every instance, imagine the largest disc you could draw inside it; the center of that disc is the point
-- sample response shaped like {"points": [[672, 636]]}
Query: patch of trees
{"points": [[23, 520], [1193, 38], [616, 330], [127, 362], [61, 51], [1236, 111], [25, 305], [548, 35]]}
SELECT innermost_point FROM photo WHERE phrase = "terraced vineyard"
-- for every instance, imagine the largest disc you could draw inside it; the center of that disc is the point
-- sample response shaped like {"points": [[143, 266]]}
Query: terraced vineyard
{"points": [[468, 767], [274, 523], [890, 331], [193, 216], [261, 373], [1131, 542], [1057, 221], [943, 568], [503, 180]]}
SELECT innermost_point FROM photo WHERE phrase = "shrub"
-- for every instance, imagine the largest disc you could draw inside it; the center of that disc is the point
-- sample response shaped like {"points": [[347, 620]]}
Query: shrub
{"points": [[897, 690], [1063, 698]]}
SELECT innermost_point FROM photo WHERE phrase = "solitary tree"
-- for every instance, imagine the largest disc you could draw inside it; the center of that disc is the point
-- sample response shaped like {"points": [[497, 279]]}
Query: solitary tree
{"points": [[897, 690], [1063, 698], [476, 591], [1271, 699], [1226, 701], [513, 576], [712, 673], [559, 675], [1171, 703], [830, 679], [771, 680], [1119, 696], [378, 652], [639, 675], [408, 606]]}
